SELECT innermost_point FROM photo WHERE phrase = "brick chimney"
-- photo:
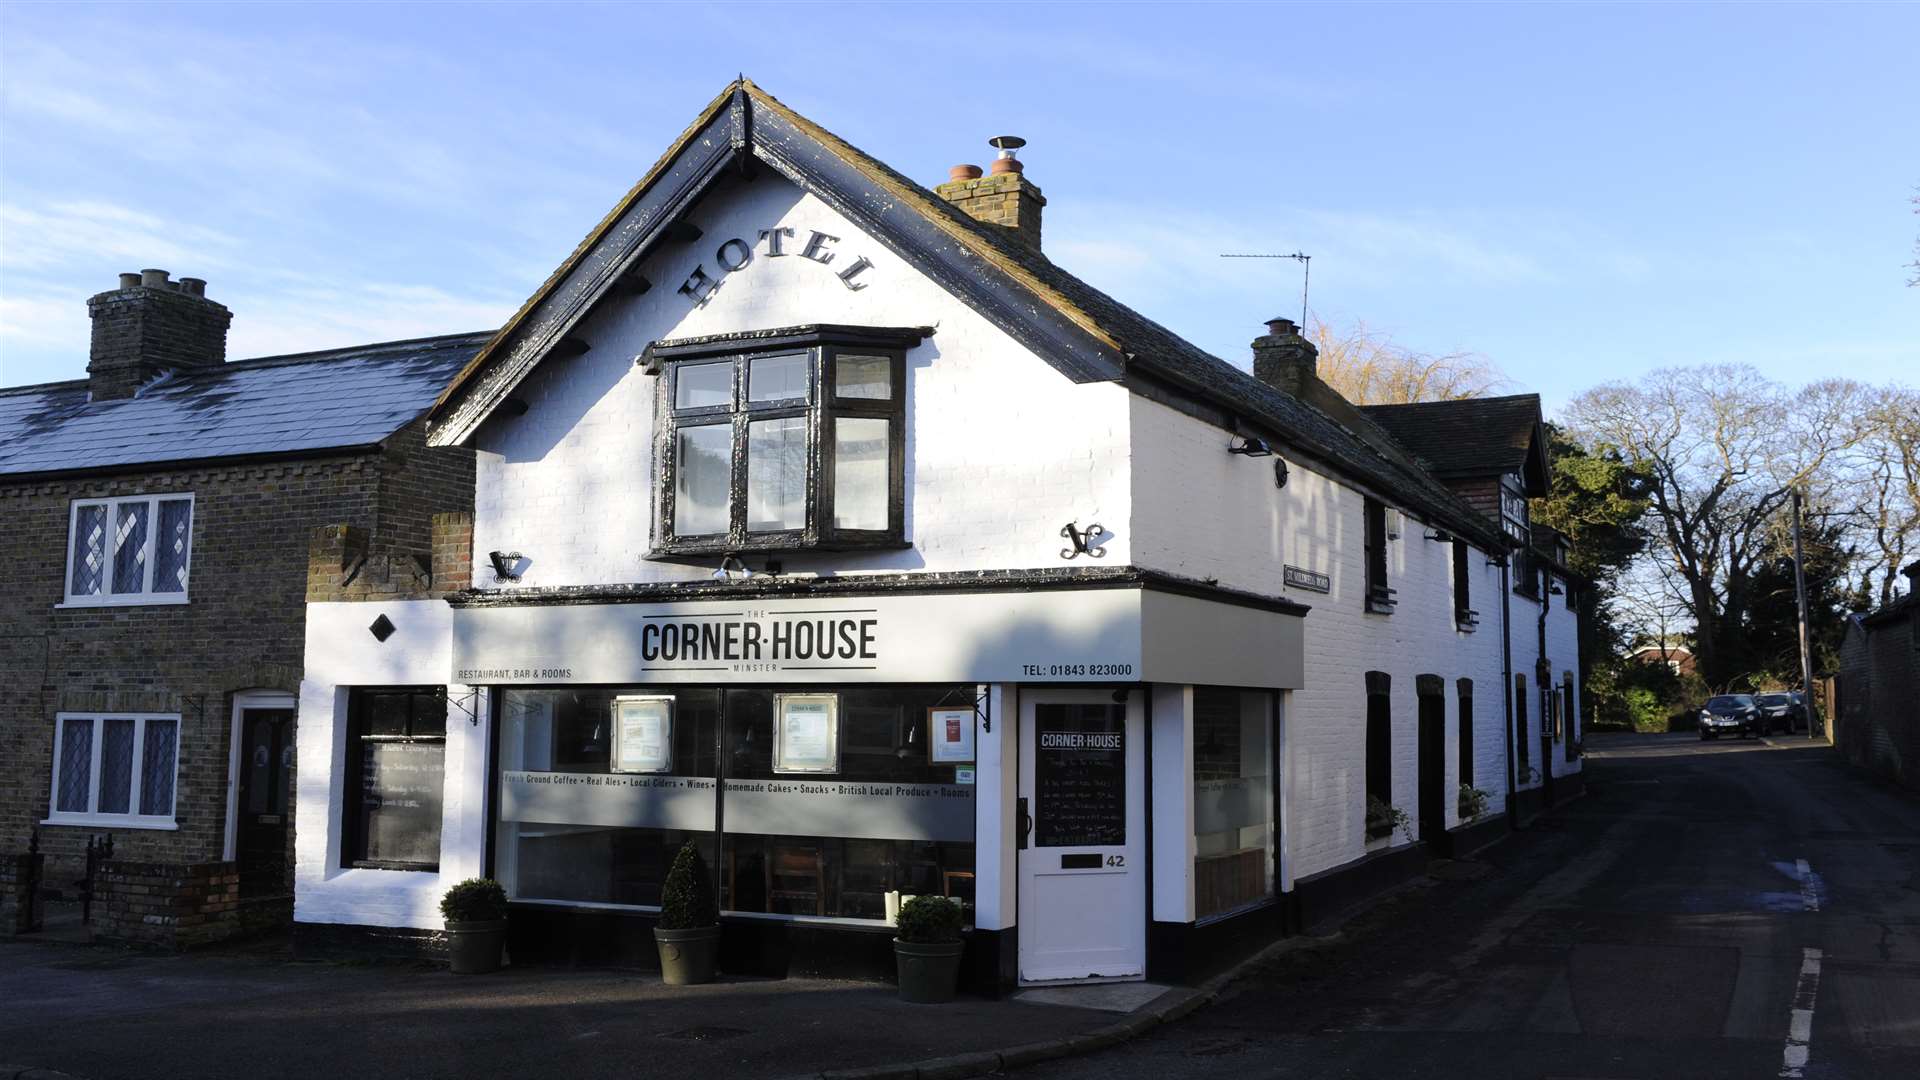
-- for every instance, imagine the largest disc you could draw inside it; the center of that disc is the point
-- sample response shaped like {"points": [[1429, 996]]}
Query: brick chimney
{"points": [[148, 326], [1285, 360], [1288, 362], [1004, 197]]}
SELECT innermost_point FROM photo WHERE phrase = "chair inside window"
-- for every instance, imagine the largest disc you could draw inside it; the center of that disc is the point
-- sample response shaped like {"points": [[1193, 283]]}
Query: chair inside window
{"points": [[795, 878]]}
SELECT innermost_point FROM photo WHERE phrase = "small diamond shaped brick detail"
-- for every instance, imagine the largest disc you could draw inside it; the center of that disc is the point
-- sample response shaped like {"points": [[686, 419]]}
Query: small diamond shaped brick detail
{"points": [[382, 628]]}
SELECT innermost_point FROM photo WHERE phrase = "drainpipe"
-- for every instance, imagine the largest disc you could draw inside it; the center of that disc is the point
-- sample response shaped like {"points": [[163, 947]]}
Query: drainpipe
{"points": [[1545, 584], [1506, 684]]}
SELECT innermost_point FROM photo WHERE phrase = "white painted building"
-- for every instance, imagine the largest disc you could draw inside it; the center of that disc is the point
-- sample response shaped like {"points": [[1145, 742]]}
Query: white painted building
{"points": [[823, 521]]}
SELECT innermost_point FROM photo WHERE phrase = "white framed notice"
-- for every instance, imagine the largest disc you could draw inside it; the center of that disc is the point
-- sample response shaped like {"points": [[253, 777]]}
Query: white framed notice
{"points": [[806, 733], [950, 736], [642, 734]]}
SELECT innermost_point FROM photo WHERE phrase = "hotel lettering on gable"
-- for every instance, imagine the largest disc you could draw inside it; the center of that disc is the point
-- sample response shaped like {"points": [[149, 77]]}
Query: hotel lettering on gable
{"points": [[824, 522]]}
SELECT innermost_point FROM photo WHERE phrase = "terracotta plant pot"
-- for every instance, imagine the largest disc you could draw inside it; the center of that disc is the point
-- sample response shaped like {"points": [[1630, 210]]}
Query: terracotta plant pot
{"points": [[474, 947], [929, 973], [687, 956]]}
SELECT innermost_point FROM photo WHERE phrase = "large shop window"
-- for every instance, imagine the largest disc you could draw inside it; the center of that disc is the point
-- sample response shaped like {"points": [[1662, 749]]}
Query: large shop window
{"points": [[812, 803], [114, 769], [396, 771], [129, 551], [1232, 799], [782, 441]]}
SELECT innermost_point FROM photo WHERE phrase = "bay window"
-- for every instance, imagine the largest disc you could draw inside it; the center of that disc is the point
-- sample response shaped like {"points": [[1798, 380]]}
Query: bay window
{"points": [[781, 440], [131, 550]]}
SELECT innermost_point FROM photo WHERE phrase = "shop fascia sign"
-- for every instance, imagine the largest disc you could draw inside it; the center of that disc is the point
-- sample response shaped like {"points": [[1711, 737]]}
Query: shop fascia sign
{"points": [[779, 241], [1090, 635], [922, 638]]}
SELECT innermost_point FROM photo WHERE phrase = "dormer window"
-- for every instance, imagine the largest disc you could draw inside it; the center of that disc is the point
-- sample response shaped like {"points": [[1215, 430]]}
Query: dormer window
{"points": [[782, 440]]}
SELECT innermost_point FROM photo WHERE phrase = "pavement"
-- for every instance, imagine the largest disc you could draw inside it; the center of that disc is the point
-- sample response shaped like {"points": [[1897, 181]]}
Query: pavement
{"points": [[1728, 909]]}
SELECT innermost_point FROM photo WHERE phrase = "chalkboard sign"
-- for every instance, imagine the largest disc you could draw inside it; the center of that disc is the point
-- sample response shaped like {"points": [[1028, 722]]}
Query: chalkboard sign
{"points": [[1080, 775], [400, 804]]}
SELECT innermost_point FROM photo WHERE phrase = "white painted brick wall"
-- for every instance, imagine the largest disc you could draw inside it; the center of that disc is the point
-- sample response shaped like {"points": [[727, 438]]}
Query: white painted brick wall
{"points": [[1001, 449], [1201, 512], [341, 653]]}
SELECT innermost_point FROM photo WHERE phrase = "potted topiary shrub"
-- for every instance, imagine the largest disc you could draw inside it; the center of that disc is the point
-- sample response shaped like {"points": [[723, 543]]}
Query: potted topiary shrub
{"points": [[927, 949], [688, 933], [476, 914]]}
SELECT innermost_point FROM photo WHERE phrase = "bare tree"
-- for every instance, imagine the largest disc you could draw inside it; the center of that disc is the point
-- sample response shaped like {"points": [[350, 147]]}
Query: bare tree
{"points": [[1725, 447], [1369, 368], [1881, 493]]}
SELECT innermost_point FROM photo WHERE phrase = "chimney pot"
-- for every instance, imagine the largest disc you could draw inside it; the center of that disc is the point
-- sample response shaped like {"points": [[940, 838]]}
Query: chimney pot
{"points": [[193, 286], [1008, 201], [129, 281], [153, 279], [1282, 326]]}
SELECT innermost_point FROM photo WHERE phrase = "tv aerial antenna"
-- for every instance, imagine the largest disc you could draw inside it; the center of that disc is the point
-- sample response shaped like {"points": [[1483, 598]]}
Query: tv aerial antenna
{"points": [[1306, 274]]}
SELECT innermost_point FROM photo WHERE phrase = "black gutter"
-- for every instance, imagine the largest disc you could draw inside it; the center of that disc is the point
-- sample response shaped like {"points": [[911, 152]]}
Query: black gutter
{"points": [[760, 588]]}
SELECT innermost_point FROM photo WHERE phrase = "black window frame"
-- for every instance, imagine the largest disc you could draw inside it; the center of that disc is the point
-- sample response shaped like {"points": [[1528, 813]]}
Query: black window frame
{"points": [[823, 406], [353, 840], [1379, 750], [1464, 733], [1464, 616], [1522, 734], [1379, 596]]}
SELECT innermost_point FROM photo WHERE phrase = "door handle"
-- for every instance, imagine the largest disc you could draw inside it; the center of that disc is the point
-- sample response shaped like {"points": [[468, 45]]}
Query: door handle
{"points": [[1025, 824]]}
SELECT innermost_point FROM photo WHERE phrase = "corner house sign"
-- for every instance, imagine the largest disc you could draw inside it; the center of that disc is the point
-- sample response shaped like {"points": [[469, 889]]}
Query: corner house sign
{"points": [[1092, 635], [734, 255]]}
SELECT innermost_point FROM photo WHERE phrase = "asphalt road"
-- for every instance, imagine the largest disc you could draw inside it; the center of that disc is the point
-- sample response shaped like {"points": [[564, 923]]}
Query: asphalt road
{"points": [[1669, 924]]}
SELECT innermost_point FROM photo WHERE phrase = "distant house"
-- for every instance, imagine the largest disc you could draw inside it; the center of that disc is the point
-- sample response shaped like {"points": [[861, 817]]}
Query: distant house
{"points": [[1677, 658], [159, 514], [1875, 721]]}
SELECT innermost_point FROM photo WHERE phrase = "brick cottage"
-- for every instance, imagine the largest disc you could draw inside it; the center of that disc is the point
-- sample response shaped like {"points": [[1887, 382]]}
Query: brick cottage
{"points": [[166, 515], [830, 525]]}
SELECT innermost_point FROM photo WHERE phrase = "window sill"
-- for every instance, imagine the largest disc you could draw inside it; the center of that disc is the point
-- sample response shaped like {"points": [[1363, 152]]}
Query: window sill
{"points": [[111, 821], [705, 550], [158, 600]]}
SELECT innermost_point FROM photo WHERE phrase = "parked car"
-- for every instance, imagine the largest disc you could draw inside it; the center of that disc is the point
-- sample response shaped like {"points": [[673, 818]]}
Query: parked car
{"points": [[1729, 714], [1782, 710]]}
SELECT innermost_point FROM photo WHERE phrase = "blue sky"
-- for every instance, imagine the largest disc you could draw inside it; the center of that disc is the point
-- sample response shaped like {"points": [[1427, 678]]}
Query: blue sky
{"points": [[1577, 192]]}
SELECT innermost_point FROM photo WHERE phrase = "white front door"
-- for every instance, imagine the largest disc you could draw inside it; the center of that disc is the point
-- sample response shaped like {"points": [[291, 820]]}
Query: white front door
{"points": [[1083, 896]]}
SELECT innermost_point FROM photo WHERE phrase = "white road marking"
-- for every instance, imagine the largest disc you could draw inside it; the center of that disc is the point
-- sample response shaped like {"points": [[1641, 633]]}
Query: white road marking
{"points": [[1793, 1059], [1809, 885]]}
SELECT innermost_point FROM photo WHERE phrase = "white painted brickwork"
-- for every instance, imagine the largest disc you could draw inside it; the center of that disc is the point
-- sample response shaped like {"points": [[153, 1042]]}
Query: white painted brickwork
{"points": [[341, 654], [1201, 512], [1001, 449]]}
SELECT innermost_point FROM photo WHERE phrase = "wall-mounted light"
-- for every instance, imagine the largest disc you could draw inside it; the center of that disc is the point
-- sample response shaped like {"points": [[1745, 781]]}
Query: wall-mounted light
{"points": [[1251, 446], [506, 565], [731, 568], [1440, 536]]}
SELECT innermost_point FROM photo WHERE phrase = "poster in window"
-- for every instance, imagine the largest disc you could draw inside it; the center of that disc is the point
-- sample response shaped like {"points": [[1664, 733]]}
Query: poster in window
{"points": [[950, 736], [642, 735], [1080, 775], [806, 733]]}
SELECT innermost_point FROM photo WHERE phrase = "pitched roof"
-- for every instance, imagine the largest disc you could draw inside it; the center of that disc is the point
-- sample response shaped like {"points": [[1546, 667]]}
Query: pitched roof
{"points": [[1081, 331], [274, 405], [1470, 437]]}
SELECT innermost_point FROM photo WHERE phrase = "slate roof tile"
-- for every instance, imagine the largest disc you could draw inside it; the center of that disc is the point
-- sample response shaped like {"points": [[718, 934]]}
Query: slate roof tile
{"points": [[274, 405]]}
